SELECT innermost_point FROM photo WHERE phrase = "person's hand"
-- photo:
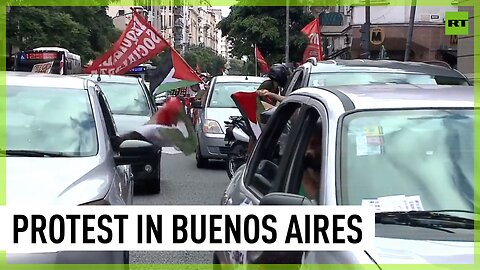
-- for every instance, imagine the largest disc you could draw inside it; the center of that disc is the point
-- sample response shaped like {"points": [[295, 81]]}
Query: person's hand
{"points": [[263, 93]]}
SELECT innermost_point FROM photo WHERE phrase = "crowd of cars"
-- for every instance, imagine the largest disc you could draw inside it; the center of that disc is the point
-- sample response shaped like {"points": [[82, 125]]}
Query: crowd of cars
{"points": [[348, 133]]}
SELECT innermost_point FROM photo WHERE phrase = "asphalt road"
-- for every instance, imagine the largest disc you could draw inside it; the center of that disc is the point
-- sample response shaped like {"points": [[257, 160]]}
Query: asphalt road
{"points": [[183, 184]]}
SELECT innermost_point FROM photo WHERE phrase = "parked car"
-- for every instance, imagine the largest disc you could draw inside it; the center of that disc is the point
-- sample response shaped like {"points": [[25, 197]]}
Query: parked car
{"points": [[217, 109], [132, 106], [363, 72], [60, 151], [350, 145]]}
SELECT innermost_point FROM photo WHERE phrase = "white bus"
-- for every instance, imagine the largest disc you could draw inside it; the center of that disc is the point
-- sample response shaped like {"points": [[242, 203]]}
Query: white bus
{"points": [[64, 62]]}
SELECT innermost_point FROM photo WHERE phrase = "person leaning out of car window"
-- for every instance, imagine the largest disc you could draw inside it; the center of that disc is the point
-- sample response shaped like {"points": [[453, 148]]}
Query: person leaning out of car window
{"points": [[310, 185], [269, 90]]}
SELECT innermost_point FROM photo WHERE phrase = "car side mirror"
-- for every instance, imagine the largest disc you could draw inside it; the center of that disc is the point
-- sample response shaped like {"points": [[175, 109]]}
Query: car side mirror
{"points": [[278, 198], [134, 151], [197, 104]]}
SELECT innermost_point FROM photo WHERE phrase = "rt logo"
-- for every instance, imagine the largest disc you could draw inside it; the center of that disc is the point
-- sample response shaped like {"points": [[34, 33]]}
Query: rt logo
{"points": [[456, 23]]}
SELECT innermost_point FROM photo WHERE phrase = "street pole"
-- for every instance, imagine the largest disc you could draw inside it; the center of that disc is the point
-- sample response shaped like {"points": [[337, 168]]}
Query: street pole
{"points": [[367, 29], [287, 24], [256, 64], [410, 30]]}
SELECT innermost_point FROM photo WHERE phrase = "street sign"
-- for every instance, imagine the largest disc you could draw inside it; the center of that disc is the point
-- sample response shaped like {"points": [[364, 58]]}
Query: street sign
{"points": [[377, 36]]}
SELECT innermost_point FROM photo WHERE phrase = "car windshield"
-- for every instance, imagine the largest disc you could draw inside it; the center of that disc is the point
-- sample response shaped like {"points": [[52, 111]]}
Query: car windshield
{"points": [[126, 98], [222, 91], [50, 120], [363, 78], [423, 158]]}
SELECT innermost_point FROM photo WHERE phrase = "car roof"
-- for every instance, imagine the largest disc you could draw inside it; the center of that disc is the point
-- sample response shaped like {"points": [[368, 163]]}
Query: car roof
{"points": [[401, 96], [383, 66], [44, 80], [110, 78], [228, 78]]}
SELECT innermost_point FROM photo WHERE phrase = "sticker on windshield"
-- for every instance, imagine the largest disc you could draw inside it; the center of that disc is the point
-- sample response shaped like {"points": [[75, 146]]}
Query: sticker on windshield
{"points": [[370, 142], [396, 203]]}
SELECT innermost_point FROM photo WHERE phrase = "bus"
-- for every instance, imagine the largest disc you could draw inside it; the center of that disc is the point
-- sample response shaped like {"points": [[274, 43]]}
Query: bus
{"points": [[63, 61]]}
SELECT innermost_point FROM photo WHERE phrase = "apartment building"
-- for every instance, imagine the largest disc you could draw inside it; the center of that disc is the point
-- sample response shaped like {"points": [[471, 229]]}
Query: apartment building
{"points": [[182, 26]]}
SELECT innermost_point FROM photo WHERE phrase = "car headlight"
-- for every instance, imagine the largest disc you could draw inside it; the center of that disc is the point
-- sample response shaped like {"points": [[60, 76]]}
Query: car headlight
{"points": [[212, 126]]}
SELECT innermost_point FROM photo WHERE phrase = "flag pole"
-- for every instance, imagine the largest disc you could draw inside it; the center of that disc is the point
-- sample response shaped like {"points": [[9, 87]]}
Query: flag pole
{"points": [[256, 61]]}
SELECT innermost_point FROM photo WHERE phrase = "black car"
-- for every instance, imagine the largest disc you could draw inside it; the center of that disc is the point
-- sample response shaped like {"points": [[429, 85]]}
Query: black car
{"points": [[133, 105]]}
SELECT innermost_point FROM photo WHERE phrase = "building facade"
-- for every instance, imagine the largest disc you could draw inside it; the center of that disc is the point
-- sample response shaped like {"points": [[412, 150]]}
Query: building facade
{"points": [[466, 51], [389, 27], [182, 26]]}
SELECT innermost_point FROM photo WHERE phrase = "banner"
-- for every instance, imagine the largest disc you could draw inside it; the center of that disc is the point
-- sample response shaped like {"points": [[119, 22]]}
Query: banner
{"points": [[314, 47], [43, 67], [137, 44]]}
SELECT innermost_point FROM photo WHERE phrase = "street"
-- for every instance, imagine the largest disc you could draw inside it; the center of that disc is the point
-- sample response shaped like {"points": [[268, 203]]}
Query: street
{"points": [[183, 184]]}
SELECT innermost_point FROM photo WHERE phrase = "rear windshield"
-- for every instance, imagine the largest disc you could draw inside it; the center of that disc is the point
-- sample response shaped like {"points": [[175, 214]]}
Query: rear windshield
{"points": [[364, 78], [220, 97]]}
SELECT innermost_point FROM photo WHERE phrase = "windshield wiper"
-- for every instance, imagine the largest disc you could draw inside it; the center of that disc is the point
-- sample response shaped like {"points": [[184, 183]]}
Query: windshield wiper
{"points": [[36, 153], [434, 219]]}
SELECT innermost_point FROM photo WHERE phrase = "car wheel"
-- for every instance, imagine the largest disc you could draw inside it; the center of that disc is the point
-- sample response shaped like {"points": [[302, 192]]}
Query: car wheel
{"points": [[216, 263], [201, 161], [237, 156], [126, 259], [154, 183]]}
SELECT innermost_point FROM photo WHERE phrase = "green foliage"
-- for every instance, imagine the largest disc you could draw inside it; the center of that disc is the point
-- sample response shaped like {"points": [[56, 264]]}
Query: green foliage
{"points": [[265, 26], [87, 31], [206, 59]]}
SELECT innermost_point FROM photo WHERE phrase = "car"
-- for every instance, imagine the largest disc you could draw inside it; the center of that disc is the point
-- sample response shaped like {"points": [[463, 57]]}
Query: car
{"points": [[351, 145], [362, 72], [217, 107], [132, 106], [61, 150]]}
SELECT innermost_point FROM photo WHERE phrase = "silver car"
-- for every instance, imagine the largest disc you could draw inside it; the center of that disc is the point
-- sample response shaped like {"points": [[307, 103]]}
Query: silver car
{"points": [[62, 149], [407, 150], [217, 109]]}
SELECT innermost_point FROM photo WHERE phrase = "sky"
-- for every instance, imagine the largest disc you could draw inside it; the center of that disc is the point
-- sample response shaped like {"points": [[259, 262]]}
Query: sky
{"points": [[225, 10]]}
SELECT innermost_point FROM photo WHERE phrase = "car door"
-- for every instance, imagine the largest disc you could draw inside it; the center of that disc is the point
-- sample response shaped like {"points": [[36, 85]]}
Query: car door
{"points": [[296, 82], [123, 174]]}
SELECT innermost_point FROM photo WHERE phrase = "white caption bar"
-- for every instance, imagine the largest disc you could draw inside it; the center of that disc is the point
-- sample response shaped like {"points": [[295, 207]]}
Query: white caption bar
{"points": [[172, 228]]}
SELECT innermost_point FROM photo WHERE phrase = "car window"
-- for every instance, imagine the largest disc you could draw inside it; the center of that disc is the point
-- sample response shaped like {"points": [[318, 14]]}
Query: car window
{"points": [[424, 153], [364, 78], [273, 149], [221, 92], [306, 167], [295, 83], [126, 98], [50, 119]]}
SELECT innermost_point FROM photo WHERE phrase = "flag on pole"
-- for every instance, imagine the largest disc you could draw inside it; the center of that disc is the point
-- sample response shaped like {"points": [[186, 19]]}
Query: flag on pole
{"points": [[172, 74], [261, 61], [138, 43], [250, 106], [314, 47]]}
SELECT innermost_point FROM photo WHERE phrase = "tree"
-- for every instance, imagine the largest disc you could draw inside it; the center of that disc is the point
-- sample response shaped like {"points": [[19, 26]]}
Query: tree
{"points": [[87, 31], [265, 26], [206, 59]]}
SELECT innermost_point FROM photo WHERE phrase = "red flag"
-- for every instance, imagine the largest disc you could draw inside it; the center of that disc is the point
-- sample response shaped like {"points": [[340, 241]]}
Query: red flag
{"points": [[137, 44], [261, 61], [314, 47], [250, 106]]}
